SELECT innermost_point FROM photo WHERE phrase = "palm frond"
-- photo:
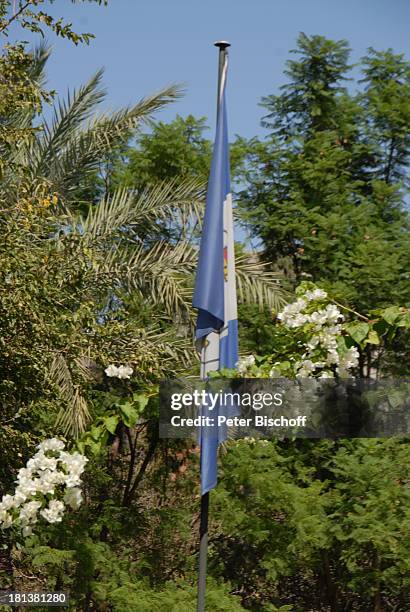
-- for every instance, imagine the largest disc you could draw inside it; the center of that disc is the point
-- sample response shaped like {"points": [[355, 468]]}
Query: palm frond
{"points": [[75, 157], [74, 415], [74, 421], [69, 116], [162, 274], [41, 54], [124, 208], [151, 347], [257, 284]]}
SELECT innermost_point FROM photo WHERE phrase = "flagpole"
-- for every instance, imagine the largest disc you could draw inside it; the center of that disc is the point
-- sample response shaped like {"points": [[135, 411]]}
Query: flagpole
{"points": [[203, 551], [203, 524]]}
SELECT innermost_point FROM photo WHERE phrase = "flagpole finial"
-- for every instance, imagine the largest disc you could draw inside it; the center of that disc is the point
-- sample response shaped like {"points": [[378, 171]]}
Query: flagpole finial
{"points": [[222, 44]]}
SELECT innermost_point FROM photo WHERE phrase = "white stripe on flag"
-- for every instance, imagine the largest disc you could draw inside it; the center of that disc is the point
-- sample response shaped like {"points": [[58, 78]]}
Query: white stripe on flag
{"points": [[230, 280]]}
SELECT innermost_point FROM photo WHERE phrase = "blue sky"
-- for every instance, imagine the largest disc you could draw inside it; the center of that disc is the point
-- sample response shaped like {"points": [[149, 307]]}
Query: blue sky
{"points": [[147, 45]]}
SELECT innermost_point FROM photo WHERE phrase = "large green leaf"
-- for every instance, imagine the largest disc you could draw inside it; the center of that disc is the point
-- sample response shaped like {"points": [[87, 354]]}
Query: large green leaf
{"points": [[357, 330]]}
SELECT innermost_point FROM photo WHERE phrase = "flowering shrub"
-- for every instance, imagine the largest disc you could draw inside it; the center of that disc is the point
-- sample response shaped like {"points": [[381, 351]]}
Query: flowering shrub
{"points": [[50, 481], [324, 344], [319, 346]]}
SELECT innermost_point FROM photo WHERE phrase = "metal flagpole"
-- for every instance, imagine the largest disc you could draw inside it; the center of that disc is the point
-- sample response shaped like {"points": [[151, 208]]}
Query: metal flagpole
{"points": [[203, 525], [203, 551]]}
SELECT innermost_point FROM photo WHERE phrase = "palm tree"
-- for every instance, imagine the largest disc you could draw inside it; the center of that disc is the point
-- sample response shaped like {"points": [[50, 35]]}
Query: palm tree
{"points": [[136, 239]]}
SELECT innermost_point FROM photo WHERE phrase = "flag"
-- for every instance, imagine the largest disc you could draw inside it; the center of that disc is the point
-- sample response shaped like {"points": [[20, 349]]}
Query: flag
{"points": [[215, 288]]}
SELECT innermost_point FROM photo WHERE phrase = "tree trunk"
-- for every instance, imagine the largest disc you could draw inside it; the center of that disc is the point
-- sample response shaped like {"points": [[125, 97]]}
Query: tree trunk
{"points": [[331, 588]]}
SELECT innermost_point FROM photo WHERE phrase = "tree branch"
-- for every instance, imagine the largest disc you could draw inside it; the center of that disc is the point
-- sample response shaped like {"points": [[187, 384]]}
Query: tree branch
{"points": [[150, 453], [133, 448], [15, 16], [351, 310]]}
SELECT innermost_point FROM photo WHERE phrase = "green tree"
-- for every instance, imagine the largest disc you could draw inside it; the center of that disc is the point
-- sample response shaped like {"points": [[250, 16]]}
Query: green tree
{"points": [[177, 149], [324, 191], [22, 91], [315, 525]]}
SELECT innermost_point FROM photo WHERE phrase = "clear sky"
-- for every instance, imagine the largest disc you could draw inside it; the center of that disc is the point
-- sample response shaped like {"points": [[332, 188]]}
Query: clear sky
{"points": [[145, 45]]}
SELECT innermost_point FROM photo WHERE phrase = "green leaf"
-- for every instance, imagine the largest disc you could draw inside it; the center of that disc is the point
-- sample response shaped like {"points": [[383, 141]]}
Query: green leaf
{"points": [[111, 423], [357, 330], [404, 320], [96, 432], [141, 400], [396, 398], [391, 314], [129, 414], [373, 337]]}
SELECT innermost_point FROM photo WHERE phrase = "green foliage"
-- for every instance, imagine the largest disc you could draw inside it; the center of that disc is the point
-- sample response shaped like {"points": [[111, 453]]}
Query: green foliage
{"points": [[307, 514], [257, 335], [64, 154], [22, 93], [111, 411], [99, 224], [277, 346], [103, 579], [174, 150], [28, 17], [325, 189], [60, 326]]}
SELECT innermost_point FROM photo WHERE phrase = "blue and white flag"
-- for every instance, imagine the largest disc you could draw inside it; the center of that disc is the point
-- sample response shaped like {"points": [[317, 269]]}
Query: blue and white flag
{"points": [[215, 288]]}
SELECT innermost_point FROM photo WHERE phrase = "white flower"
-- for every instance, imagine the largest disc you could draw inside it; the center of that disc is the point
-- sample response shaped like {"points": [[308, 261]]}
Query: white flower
{"points": [[319, 364], [54, 512], [20, 496], [46, 483], [333, 314], [121, 372], [316, 294], [6, 520], [27, 531], [350, 359], [28, 513], [334, 330], [111, 371], [75, 464], [41, 462], [298, 320], [305, 368], [313, 342], [245, 363], [328, 341], [332, 357], [319, 318], [73, 498], [124, 372], [327, 325], [7, 502], [42, 475], [292, 316], [326, 374], [52, 444], [293, 308], [25, 488], [24, 473]]}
